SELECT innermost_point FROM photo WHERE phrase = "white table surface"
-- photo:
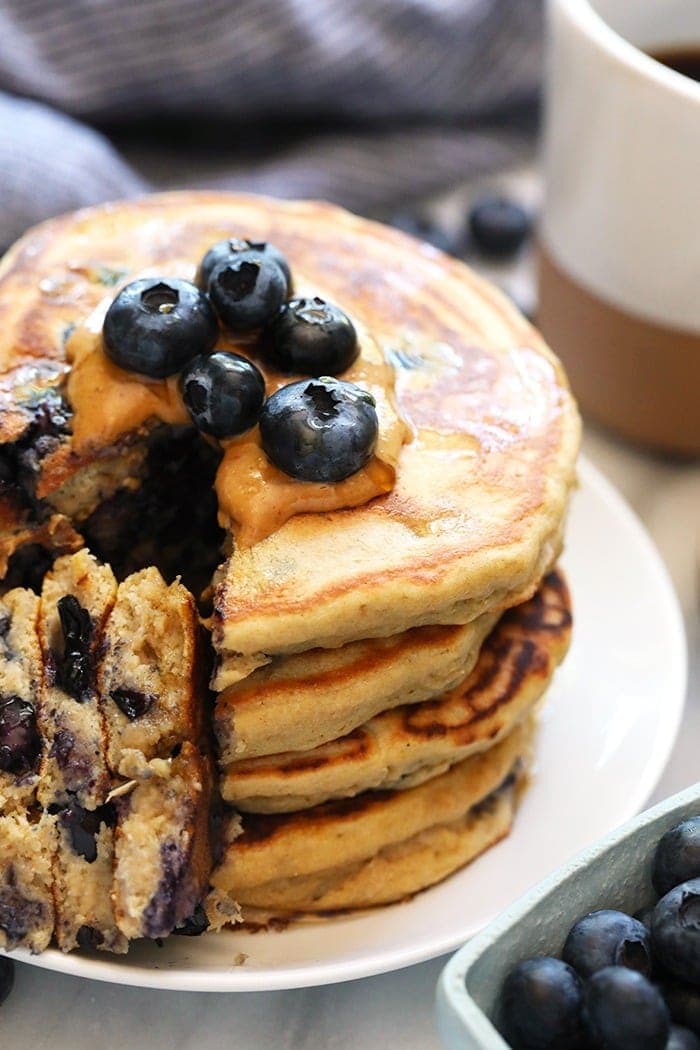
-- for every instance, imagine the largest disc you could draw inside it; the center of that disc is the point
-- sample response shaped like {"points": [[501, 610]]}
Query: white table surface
{"points": [[57, 1012]]}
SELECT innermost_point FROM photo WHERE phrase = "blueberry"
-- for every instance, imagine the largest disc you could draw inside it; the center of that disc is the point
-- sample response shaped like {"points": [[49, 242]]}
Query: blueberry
{"points": [[224, 251], [677, 856], [319, 429], [156, 325], [607, 938], [683, 1000], [247, 290], [313, 337], [132, 702], [195, 925], [74, 671], [682, 1039], [83, 826], [20, 743], [622, 1009], [7, 978], [223, 393], [541, 1006], [498, 226], [89, 937], [675, 931]]}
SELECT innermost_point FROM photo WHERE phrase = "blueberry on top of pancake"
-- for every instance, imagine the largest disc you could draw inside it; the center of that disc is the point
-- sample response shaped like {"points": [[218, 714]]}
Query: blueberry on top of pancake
{"points": [[223, 393], [223, 251], [156, 326], [313, 337], [323, 430], [247, 290]]}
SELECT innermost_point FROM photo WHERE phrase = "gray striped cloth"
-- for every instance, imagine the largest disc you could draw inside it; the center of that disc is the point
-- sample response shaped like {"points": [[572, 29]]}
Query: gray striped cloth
{"points": [[370, 103]]}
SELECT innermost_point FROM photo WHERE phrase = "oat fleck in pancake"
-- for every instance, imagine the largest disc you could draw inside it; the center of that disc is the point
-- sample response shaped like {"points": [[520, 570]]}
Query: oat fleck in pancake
{"points": [[410, 744], [378, 847]]}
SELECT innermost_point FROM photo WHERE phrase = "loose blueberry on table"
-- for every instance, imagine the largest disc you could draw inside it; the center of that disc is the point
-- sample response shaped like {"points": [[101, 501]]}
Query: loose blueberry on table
{"points": [[498, 226], [622, 984]]}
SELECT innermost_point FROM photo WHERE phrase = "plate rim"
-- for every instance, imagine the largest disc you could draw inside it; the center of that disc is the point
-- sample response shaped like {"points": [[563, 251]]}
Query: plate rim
{"points": [[237, 979]]}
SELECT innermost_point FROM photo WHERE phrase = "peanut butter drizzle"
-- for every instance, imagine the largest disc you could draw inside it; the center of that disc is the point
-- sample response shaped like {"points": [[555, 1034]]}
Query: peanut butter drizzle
{"points": [[255, 498]]}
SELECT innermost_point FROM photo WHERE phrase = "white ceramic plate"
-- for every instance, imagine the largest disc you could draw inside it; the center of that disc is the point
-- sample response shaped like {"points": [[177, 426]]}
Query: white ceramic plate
{"points": [[607, 730]]}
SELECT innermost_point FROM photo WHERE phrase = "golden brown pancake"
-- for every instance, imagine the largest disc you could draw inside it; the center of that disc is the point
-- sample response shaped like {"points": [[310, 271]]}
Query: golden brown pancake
{"points": [[299, 702], [375, 848], [411, 744], [475, 517]]}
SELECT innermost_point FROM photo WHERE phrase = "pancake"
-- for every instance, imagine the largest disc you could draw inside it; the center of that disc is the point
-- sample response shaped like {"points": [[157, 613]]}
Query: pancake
{"points": [[376, 848], [21, 673], [76, 599], [163, 845], [27, 910], [82, 883], [150, 677], [300, 702], [476, 514], [411, 744]]}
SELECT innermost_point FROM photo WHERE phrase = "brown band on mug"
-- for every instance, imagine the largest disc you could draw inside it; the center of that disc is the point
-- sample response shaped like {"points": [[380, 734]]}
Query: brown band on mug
{"points": [[638, 377]]}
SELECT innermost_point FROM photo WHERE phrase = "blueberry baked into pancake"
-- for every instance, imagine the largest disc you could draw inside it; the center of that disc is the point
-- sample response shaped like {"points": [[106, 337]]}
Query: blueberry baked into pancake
{"points": [[282, 493]]}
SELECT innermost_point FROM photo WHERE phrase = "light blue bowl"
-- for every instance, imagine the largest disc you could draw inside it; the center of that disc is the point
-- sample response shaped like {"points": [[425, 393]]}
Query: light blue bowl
{"points": [[614, 873]]}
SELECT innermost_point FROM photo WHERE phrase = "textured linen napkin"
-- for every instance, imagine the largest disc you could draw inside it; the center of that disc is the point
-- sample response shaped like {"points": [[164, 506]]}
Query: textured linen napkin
{"points": [[370, 103]]}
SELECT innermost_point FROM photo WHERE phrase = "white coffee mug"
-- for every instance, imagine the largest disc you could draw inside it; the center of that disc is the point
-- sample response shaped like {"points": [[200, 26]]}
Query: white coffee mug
{"points": [[620, 232]]}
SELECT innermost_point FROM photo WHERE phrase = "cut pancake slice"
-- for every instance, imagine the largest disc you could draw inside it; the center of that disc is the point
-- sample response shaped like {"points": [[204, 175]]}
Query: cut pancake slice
{"points": [[149, 674], [27, 852], [20, 681], [83, 880], [327, 858], [163, 852], [299, 702], [76, 598], [410, 744]]}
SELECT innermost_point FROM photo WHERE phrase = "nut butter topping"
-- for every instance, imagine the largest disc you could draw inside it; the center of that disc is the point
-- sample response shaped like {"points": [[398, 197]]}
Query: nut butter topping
{"points": [[255, 497], [109, 403]]}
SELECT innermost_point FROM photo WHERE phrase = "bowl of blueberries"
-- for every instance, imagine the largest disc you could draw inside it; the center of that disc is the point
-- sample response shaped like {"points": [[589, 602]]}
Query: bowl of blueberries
{"points": [[604, 953]]}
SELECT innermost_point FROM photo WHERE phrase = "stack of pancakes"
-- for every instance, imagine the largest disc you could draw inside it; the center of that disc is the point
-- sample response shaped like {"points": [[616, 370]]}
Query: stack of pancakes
{"points": [[377, 667], [379, 797]]}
